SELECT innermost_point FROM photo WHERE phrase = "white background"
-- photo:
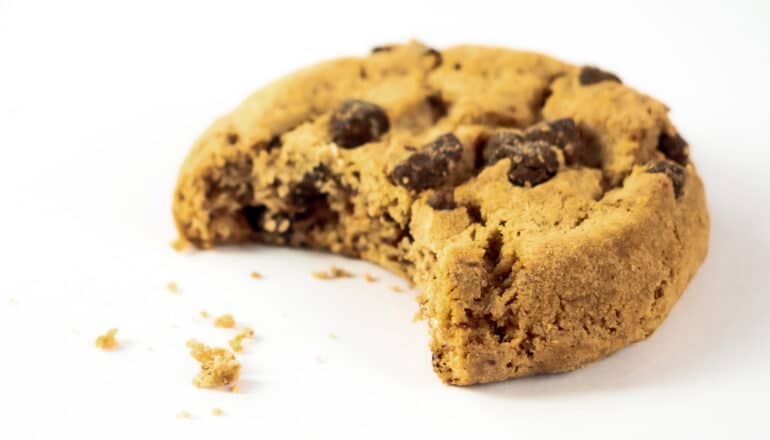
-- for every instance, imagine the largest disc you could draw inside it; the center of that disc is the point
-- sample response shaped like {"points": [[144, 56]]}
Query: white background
{"points": [[99, 104]]}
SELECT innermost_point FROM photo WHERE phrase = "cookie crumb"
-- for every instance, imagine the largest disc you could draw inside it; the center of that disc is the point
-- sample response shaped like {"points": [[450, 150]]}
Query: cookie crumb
{"points": [[396, 289], [332, 336], [255, 275], [217, 412], [418, 316], [235, 389], [107, 341], [172, 287], [204, 314], [184, 415], [219, 367], [236, 344], [370, 278], [333, 273], [225, 321]]}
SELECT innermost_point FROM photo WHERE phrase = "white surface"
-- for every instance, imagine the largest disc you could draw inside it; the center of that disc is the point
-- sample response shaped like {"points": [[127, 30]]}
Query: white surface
{"points": [[99, 104]]}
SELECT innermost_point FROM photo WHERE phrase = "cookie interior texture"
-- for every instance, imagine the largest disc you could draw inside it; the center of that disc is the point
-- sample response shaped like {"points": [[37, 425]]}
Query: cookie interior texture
{"points": [[548, 213]]}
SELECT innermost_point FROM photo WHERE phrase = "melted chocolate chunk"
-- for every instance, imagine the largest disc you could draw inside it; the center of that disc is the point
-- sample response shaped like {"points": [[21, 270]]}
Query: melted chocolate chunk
{"points": [[260, 220], [500, 145], [559, 132], [674, 147], [672, 170], [532, 163], [592, 75], [430, 166], [309, 188], [443, 199], [356, 122], [275, 142], [254, 216], [562, 133], [385, 48]]}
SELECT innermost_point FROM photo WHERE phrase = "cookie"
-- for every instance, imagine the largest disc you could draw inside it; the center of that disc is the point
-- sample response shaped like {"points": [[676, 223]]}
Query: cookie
{"points": [[548, 213]]}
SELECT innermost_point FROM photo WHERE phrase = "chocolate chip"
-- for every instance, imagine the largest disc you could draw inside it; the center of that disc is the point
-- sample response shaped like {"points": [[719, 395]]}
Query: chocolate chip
{"points": [[232, 138], [672, 170], [430, 166], [260, 220], [443, 199], [438, 107], [559, 132], [592, 75], [254, 216], [309, 188], [500, 145], [384, 48], [275, 142], [562, 133], [458, 66], [356, 122], [532, 163], [438, 59], [674, 147], [474, 214]]}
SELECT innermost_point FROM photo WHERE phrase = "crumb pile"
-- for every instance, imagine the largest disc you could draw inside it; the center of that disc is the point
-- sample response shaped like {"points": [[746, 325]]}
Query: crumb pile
{"points": [[219, 367]]}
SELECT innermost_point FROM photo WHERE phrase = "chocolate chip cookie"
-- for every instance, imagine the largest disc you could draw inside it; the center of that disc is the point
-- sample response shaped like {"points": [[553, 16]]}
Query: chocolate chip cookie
{"points": [[549, 214]]}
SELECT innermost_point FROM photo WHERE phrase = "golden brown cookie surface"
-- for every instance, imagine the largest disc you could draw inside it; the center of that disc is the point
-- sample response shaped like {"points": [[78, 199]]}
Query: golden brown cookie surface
{"points": [[549, 214]]}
